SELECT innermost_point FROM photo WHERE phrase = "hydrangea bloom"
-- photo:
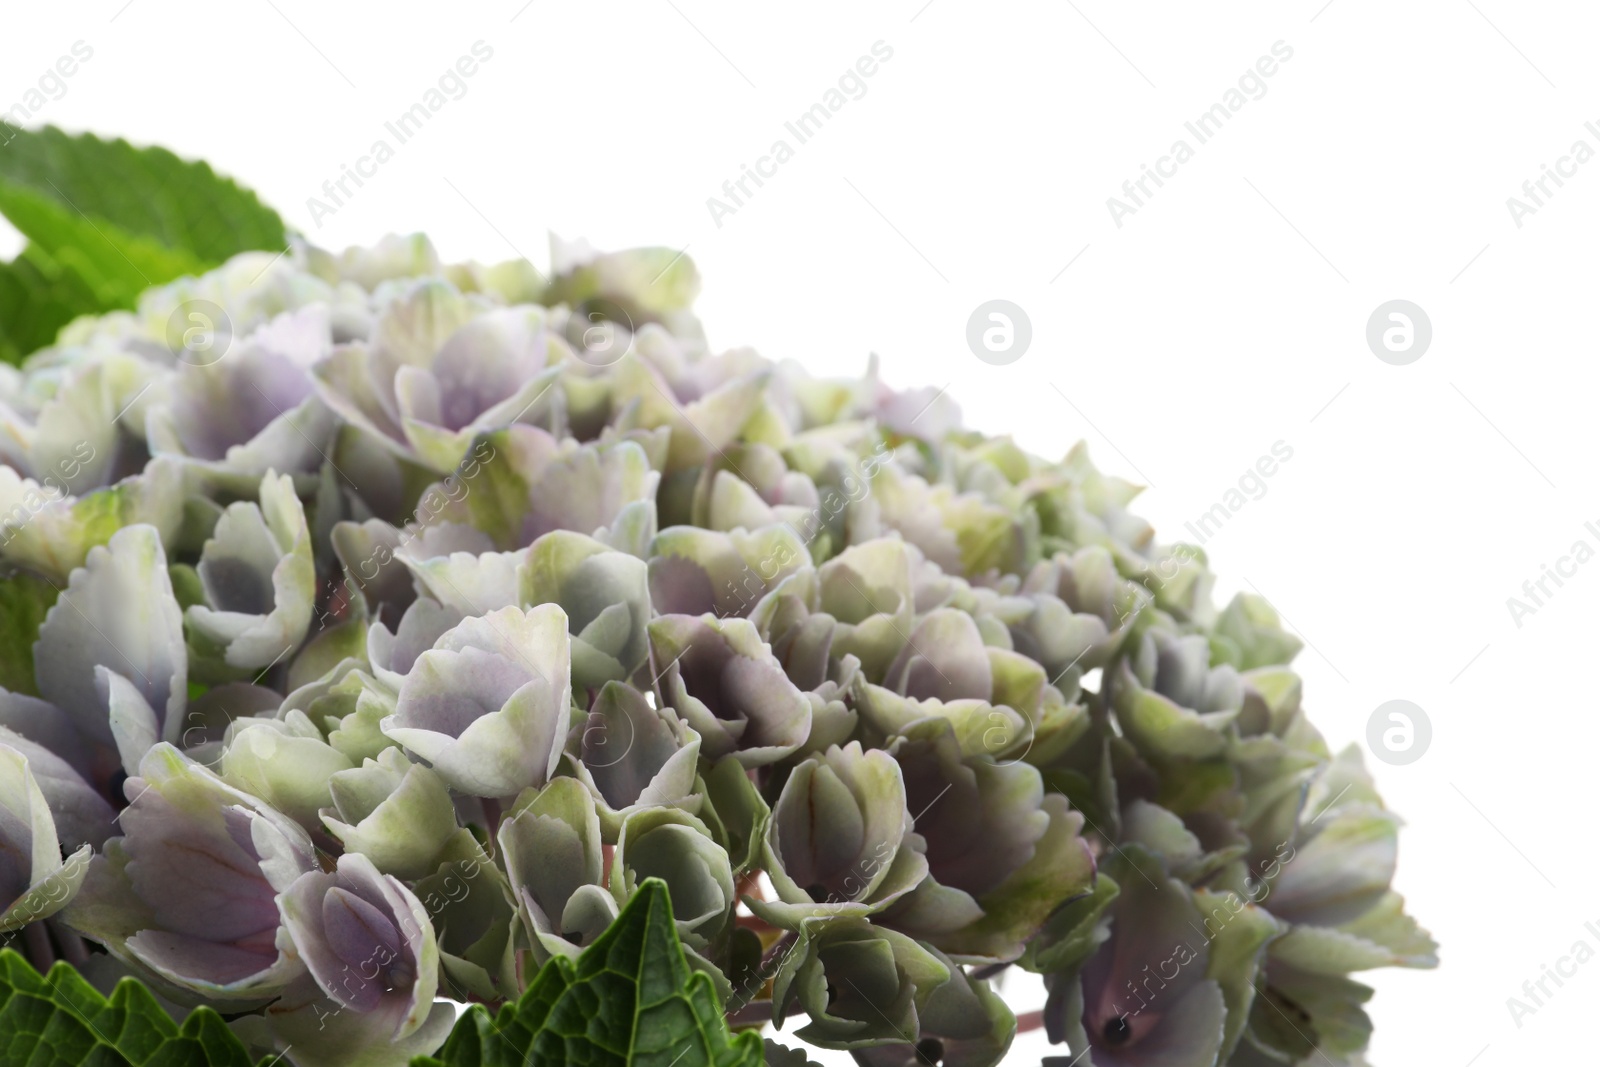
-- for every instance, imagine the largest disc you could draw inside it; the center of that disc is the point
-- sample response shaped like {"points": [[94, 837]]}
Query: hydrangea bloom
{"points": [[380, 657]]}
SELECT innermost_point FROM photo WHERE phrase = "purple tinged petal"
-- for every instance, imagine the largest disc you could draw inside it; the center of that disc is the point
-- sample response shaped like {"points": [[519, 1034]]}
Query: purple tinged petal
{"points": [[422, 625], [488, 706], [181, 956], [839, 841], [301, 912], [366, 940], [118, 611], [680, 586], [46, 725], [447, 692], [981, 820], [944, 659], [585, 488], [417, 394], [81, 814], [347, 382], [821, 827], [188, 891], [356, 931], [724, 682], [206, 885], [222, 405], [487, 360], [625, 743]]}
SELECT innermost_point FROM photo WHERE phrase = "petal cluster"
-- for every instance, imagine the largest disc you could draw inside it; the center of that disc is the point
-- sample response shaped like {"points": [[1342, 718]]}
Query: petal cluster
{"points": [[376, 658]]}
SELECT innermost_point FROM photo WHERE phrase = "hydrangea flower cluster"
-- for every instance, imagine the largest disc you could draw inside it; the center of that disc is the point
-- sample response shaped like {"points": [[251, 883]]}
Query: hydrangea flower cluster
{"points": [[392, 621]]}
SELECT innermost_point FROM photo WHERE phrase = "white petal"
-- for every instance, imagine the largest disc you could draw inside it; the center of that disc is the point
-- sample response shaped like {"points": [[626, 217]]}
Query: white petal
{"points": [[117, 611]]}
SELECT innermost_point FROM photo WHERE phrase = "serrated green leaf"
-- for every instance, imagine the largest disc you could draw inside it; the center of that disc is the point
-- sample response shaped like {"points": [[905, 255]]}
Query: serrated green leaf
{"points": [[204, 1039], [37, 297], [60, 1020], [630, 1000], [106, 221], [145, 192], [113, 263]]}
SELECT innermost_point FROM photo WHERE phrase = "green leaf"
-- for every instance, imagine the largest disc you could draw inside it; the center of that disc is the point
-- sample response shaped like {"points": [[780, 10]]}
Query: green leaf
{"points": [[60, 1020], [145, 192], [629, 999], [115, 264], [38, 296], [24, 601], [104, 222]]}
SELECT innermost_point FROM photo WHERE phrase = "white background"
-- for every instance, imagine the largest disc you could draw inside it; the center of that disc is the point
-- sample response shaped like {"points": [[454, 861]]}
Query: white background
{"points": [[1227, 314]]}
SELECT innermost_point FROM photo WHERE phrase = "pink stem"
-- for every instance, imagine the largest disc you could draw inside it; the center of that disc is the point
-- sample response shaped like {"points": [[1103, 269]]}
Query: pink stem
{"points": [[1029, 1020]]}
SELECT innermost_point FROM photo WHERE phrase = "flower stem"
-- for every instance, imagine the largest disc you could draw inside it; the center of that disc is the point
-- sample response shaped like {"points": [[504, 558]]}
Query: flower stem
{"points": [[1029, 1020]]}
